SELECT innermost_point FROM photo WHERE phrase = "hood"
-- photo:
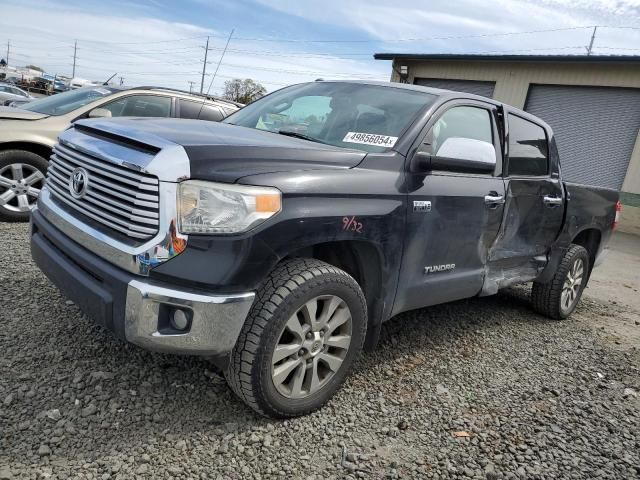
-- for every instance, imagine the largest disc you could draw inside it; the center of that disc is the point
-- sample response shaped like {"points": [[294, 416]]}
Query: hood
{"points": [[225, 153], [13, 113]]}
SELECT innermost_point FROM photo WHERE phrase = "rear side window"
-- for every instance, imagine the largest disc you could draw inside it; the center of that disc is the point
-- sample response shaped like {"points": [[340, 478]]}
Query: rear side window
{"points": [[528, 148], [211, 113], [196, 110]]}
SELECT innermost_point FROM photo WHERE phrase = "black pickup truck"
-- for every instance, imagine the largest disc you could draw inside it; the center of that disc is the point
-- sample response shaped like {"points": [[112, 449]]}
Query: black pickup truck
{"points": [[278, 241]]}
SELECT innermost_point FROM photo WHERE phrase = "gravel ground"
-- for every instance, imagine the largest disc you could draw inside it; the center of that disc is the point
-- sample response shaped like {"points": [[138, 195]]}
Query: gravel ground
{"points": [[480, 389]]}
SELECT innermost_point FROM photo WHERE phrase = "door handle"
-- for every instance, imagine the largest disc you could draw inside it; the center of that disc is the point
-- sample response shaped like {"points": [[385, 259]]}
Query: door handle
{"points": [[552, 201], [493, 199]]}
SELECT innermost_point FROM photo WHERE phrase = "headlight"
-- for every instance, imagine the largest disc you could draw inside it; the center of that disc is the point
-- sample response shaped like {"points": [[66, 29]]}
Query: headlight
{"points": [[207, 207]]}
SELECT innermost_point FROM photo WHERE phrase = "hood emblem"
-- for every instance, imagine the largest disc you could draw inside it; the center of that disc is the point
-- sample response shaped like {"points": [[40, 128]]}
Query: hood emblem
{"points": [[78, 182]]}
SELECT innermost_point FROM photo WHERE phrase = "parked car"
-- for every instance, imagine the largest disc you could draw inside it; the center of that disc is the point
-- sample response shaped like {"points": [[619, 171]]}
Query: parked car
{"points": [[9, 93], [18, 103], [279, 253], [28, 133], [49, 86]]}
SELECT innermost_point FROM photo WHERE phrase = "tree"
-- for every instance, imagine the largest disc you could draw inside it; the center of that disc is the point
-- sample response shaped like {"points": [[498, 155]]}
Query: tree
{"points": [[243, 91]]}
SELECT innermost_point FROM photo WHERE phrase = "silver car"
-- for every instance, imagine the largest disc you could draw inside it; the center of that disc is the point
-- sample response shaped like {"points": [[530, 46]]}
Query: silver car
{"points": [[28, 133], [10, 93]]}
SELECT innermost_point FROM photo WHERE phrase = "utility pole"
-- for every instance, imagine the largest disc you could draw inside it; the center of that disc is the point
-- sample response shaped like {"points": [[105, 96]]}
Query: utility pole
{"points": [[593, 38], [191, 86], [8, 47], [204, 66], [75, 51], [216, 72]]}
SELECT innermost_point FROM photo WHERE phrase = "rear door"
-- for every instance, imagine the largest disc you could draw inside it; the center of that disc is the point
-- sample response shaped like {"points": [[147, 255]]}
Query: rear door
{"points": [[452, 218], [534, 206]]}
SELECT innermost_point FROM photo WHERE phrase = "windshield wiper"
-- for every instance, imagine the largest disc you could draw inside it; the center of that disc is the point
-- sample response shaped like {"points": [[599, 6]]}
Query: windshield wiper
{"points": [[289, 133]]}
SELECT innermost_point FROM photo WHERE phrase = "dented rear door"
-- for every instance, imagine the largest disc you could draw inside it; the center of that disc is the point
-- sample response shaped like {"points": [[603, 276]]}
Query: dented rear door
{"points": [[534, 208]]}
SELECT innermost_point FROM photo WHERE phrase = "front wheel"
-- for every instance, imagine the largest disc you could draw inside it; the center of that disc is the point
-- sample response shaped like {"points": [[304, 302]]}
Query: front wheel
{"points": [[304, 331], [558, 298], [22, 175]]}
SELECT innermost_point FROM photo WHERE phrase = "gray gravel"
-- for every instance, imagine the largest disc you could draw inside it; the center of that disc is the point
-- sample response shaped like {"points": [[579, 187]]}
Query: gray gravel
{"points": [[480, 389]]}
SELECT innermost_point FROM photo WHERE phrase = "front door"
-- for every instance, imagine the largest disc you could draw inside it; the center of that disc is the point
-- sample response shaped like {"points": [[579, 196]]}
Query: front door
{"points": [[452, 218]]}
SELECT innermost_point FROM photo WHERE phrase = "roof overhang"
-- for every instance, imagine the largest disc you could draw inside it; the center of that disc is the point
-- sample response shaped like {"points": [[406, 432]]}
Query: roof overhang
{"points": [[633, 59]]}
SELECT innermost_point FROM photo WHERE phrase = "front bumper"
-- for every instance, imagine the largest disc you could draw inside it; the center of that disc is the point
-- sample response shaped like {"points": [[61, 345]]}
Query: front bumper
{"points": [[135, 308]]}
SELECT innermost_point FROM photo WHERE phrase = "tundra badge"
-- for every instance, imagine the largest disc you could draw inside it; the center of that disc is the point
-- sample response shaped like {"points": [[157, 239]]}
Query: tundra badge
{"points": [[421, 206], [439, 268]]}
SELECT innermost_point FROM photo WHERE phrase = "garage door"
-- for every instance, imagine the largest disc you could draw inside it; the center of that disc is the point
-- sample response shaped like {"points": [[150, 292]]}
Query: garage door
{"points": [[468, 86], [595, 127]]}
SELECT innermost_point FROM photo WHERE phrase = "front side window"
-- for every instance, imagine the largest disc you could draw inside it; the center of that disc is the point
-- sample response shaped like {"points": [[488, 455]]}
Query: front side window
{"points": [[461, 122], [528, 148], [140, 106], [349, 115]]}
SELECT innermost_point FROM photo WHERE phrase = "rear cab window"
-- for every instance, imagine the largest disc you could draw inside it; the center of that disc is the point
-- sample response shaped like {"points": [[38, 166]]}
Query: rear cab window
{"points": [[528, 148]]}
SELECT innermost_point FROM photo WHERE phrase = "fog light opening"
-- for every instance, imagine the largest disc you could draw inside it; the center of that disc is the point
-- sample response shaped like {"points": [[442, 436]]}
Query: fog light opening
{"points": [[179, 319]]}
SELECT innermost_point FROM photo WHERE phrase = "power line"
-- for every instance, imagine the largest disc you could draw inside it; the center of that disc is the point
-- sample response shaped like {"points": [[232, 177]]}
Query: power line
{"points": [[394, 40]]}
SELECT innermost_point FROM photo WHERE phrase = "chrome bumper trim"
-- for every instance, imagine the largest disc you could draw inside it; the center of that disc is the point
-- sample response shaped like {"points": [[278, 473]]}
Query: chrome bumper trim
{"points": [[215, 325], [138, 259]]}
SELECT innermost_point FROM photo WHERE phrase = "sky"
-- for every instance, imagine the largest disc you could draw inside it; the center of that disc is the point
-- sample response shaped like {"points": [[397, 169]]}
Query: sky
{"points": [[280, 42]]}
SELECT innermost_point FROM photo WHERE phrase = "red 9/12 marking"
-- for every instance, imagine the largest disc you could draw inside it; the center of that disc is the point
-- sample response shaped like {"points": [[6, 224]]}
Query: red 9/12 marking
{"points": [[351, 225]]}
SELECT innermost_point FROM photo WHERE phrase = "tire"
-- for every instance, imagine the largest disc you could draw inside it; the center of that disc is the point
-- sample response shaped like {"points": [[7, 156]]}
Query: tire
{"points": [[286, 299], [22, 175], [547, 298]]}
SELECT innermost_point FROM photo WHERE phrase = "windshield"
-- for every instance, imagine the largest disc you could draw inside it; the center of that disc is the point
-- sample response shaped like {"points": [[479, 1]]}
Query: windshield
{"points": [[68, 101], [350, 115]]}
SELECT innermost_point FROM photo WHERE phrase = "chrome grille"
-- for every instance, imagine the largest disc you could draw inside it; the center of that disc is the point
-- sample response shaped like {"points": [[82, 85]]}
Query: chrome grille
{"points": [[118, 198]]}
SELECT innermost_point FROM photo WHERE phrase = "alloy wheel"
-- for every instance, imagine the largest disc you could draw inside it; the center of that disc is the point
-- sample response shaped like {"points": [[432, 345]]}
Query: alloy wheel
{"points": [[572, 285], [20, 186], [311, 347]]}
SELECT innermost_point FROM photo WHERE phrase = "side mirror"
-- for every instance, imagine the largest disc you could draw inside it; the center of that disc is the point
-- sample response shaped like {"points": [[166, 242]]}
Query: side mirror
{"points": [[458, 154], [100, 113]]}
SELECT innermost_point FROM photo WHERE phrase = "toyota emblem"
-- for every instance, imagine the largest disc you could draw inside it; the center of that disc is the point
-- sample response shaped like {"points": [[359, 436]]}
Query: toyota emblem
{"points": [[78, 182]]}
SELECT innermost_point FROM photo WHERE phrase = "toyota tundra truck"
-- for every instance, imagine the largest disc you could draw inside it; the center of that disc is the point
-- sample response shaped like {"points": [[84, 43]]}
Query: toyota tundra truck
{"points": [[278, 241]]}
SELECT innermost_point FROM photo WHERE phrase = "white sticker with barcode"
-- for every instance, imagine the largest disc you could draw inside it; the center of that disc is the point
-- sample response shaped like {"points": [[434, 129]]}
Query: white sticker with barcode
{"points": [[370, 139]]}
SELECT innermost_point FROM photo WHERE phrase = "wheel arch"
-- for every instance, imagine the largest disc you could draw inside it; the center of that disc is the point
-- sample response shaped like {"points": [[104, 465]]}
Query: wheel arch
{"points": [[364, 262], [41, 149], [589, 239]]}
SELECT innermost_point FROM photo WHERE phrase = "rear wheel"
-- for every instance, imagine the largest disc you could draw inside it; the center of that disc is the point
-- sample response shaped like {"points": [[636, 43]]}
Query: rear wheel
{"points": [[22, 176], [558, 298], [300, 339]]}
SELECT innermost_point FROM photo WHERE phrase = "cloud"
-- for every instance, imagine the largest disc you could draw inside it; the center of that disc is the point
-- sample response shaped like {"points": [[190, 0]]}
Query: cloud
{"points": [[392, 23], [142, 44], [43, 34]]}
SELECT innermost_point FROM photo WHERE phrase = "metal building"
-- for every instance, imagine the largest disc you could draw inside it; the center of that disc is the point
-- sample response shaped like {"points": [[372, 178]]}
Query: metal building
{"points": [[591, 102]]}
